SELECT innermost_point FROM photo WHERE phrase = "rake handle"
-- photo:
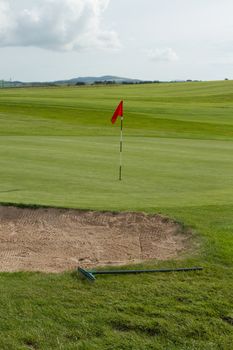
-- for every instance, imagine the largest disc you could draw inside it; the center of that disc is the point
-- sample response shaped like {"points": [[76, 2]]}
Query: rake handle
{"points": [[122, 272]]}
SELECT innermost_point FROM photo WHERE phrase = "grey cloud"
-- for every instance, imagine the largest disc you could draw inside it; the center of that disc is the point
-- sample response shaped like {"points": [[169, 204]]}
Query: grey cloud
{"points": [[55, 24]]}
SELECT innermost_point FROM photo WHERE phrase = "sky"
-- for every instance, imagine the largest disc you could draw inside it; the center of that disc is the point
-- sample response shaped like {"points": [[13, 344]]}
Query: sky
{"points": [[46, 40]]}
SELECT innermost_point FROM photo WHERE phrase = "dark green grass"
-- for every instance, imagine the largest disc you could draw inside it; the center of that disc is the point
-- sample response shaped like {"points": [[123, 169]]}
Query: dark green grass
{"points": [[175, 311], [58, 148]]}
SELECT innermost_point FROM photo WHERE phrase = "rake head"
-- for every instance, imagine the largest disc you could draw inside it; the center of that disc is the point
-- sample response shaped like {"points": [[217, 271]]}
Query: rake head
{"points": [[86, 275]]}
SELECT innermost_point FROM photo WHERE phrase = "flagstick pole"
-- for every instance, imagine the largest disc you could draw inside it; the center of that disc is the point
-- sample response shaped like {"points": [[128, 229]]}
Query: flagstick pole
{"points": [[121, 149]]}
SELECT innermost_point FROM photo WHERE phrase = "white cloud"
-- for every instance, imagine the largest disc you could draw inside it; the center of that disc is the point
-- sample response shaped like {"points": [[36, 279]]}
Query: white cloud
{"points": [[163, 55], [55, 24]]}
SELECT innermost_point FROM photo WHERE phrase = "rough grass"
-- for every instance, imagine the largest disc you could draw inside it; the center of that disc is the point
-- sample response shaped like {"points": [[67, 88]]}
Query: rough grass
{"points": [[58, 148]]}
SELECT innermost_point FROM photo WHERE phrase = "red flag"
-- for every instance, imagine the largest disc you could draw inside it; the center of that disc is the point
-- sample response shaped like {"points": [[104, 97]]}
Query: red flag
{"points": [[118, 112]]}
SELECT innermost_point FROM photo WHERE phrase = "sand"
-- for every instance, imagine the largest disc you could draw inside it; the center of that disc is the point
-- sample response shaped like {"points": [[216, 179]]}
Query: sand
{"points": [[56, 240]]}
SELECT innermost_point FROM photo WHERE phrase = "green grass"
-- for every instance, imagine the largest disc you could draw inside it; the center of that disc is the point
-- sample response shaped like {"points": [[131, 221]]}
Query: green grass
{"points": [[58, 148]]}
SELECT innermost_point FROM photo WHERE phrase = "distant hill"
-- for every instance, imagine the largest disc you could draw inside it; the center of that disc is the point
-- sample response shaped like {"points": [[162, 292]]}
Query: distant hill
{"points": [[74, 81], [91, 80]]}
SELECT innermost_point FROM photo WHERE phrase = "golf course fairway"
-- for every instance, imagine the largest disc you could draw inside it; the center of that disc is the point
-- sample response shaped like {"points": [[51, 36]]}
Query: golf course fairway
{"points": [[59, 149]]}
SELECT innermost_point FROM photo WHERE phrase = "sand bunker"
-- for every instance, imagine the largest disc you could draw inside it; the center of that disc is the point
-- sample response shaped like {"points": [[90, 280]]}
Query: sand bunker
{"points": [[55, 240]]}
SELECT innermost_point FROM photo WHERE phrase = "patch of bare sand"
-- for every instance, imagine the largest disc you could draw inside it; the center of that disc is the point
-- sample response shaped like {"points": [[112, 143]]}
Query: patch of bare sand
{"points": [[55, 240]]}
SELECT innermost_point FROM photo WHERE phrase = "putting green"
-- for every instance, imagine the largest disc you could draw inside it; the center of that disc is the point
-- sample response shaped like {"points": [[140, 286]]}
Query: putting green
{"points": [[82, 172]]}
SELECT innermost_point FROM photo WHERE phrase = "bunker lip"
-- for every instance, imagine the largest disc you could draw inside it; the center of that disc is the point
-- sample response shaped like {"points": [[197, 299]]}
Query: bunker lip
{"points": [[56, 240]]}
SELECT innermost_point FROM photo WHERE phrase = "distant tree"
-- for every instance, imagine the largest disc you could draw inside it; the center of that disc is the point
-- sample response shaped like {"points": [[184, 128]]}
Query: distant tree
{"points": [[104, 82], [80, 83], [127, 82], [145, 82]]}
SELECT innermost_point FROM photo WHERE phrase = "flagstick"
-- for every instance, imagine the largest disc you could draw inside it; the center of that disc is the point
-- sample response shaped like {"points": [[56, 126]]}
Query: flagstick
{"points": [[121, 149]]}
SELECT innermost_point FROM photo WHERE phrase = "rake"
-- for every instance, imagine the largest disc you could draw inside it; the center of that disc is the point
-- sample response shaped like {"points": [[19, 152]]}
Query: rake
{"points": [[90, 275]]}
